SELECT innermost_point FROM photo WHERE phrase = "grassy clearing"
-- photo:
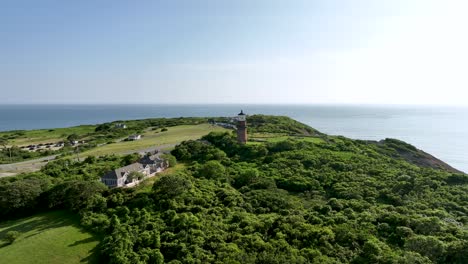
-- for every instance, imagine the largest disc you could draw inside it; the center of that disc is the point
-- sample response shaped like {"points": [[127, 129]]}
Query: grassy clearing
{"points": [[52, 237], [28, 137], [174, 135]]}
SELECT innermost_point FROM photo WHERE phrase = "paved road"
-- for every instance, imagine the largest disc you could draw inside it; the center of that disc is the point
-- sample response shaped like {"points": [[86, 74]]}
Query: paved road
{"points": [[24, 166], [151, 149], [28, 161], [36, 164]]}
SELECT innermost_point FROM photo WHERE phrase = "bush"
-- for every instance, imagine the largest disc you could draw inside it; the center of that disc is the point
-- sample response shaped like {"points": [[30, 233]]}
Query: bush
{"points": [[171, 159], [11, 236], [135, 175], [171, 186], [21, 196], [428, 246], [212, 169]]}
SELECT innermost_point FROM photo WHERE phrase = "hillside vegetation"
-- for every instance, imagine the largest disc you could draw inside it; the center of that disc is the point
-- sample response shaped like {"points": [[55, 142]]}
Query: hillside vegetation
{"points": [[278, 125], [297, 197]]}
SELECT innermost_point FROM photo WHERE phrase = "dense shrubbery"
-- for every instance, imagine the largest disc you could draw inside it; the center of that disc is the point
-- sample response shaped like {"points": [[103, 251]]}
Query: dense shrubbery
{"points": [[15, 154], [279, 124], [293, 201]]}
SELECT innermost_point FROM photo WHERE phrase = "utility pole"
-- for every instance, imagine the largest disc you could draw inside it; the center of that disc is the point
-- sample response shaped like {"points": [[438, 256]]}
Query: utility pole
{"points": [[76, 152]]}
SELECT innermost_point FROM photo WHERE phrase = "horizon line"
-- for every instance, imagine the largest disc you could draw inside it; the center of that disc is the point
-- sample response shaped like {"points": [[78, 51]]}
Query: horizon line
{"points": [[236, 104]]}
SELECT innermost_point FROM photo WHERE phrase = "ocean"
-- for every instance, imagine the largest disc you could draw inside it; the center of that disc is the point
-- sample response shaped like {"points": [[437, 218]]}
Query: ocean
{"points": [[440, 131]]}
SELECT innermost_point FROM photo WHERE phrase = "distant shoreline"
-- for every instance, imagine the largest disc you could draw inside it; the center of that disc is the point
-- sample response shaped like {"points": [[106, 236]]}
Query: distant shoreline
{"points": [[396, 105]]}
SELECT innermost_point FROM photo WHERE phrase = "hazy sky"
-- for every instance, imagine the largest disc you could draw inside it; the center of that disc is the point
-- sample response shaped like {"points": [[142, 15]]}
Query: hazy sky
{"points": [[243, 51]]}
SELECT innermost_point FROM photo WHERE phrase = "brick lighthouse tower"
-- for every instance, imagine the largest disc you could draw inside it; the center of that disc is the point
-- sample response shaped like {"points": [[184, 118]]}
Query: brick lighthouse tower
{"points": [[241, 128]]}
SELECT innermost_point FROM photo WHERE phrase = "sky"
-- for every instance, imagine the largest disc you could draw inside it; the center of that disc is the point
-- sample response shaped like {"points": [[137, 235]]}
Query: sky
{"points": [[243, 51]]}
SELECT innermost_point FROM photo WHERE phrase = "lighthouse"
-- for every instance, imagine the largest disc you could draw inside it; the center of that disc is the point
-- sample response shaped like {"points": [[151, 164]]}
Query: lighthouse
{"points": [[241, 128]]}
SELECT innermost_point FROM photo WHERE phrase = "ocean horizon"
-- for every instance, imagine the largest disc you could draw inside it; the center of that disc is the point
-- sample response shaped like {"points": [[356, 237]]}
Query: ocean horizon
{"points": [[439, 130]]}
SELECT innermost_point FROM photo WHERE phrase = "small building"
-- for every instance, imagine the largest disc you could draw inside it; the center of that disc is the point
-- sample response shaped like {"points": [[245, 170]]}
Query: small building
{"points": [[156, 163], [120, 125], [134, 137]]}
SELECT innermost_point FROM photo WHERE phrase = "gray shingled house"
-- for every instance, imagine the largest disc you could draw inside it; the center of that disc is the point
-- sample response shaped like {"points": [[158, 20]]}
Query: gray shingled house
{"points": [[148, 165], [156, 163], [119, 177]]}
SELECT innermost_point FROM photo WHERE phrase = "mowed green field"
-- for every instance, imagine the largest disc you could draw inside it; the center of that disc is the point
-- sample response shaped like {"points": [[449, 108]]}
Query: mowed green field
{"points": [[53, 237], [47, 135], [150, 139]]}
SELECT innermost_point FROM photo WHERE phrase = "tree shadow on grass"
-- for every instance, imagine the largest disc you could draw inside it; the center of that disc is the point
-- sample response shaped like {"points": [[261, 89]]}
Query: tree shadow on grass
{"points": [[37, 224], [84, 241], [94, 255], [4, 244]]}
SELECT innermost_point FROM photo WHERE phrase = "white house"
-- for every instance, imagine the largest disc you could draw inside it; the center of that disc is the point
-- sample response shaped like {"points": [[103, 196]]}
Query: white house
{"points": [[120, 125], [134, 137]]}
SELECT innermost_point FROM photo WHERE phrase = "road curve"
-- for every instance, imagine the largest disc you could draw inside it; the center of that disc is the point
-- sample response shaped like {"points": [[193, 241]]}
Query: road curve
{"points": [[34, 165]]}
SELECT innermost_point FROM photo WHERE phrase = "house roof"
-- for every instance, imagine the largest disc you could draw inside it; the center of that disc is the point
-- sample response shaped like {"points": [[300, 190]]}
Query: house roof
{"points": [[120, 172], [153, 159]]}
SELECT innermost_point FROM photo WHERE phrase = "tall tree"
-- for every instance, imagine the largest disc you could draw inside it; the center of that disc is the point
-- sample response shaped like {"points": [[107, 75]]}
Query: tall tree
{"points": [[4, 143]]}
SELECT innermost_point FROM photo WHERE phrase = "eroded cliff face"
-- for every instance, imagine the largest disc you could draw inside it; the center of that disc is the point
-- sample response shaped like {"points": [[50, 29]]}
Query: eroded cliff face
{"points": [[399, 149]]}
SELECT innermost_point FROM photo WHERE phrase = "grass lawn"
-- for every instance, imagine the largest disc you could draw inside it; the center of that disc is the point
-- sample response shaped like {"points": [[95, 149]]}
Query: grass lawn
{"points": [[53, 237], [174, 135], [29, 137]]}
